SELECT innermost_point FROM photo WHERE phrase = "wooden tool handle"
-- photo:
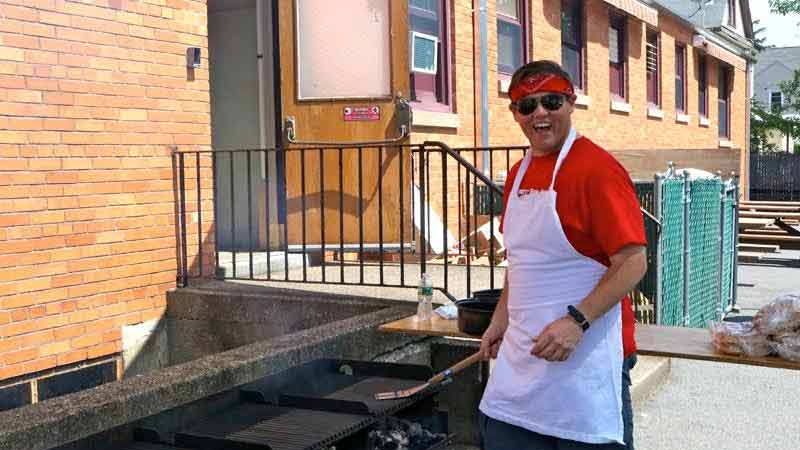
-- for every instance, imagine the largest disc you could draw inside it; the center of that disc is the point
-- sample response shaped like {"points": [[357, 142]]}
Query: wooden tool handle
{"points": [[454, 369]]}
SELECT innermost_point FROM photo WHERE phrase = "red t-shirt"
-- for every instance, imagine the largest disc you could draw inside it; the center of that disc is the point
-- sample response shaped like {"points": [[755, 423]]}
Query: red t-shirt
{"points": [[597, 206]]}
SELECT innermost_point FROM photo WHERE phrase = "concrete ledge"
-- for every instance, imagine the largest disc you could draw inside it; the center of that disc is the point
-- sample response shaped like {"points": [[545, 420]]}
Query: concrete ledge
{"points": [[648, 375], [76, 416]]}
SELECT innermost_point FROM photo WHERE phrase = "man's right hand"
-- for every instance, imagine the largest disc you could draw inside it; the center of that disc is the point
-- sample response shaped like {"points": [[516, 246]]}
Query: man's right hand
{"points": [[491, 340]]}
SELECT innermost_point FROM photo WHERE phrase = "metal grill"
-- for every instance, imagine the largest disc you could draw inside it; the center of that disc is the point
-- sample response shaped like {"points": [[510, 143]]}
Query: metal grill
{"points": [[340, 386], [265, 427]]}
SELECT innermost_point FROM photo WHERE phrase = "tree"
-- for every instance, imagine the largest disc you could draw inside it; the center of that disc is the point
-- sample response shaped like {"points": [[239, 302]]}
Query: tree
{"points": [[764, 119], [759, 43], [785, 6]]}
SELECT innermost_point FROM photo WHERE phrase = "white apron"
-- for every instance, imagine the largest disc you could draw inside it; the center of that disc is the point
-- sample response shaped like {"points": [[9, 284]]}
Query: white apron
{"points": [[578, 399]]}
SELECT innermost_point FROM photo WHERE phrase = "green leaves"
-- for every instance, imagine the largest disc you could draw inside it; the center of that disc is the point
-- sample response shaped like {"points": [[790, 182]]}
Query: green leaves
{"points": [[785, 6]]}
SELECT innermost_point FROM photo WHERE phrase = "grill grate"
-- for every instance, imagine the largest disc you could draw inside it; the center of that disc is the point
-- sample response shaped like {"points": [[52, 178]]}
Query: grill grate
{"points": [[340, 386], [357, 398], [266, 427]]}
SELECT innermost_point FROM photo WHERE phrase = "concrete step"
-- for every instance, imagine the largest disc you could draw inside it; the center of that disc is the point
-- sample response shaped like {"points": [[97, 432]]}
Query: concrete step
{"points": [[647, 376], [750, 256]]}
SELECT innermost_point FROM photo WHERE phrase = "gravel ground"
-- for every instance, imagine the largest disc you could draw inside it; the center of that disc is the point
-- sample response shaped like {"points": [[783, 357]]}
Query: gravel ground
{"points": [[714, 406]]}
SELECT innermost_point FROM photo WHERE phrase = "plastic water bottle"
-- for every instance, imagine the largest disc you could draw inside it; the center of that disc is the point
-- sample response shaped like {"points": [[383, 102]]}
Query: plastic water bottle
{"points": [[424, 297]]}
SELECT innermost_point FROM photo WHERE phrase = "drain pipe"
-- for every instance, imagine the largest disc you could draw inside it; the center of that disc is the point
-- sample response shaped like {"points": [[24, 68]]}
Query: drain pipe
{"points": [[484, 36]]}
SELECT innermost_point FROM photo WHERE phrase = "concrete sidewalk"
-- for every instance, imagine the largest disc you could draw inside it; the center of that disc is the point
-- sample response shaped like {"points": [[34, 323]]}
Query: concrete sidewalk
{"points": [[714, 406]]}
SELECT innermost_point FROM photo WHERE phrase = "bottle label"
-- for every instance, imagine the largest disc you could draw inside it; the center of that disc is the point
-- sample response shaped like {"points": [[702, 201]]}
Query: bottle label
{"points": [[426, 290]]}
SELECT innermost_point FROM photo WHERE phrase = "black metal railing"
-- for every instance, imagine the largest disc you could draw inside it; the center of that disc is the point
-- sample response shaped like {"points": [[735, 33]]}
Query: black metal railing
{"points": [[368, 215]]}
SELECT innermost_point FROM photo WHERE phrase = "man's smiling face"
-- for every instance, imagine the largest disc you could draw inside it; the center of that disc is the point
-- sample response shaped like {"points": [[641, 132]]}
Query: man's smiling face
{"points": [[546, 129]]}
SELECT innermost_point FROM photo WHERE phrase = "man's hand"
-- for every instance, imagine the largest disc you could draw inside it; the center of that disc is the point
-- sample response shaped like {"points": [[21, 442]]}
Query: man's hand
{"points": [[491, 340], [557, 341]]}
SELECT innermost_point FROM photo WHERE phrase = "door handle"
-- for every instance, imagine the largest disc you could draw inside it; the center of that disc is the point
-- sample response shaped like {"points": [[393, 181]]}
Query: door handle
{"points": [[403, 116]]}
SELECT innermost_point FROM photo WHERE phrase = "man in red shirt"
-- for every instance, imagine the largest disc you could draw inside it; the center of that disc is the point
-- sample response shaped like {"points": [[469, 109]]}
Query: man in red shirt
{"points": [[563, 331]]}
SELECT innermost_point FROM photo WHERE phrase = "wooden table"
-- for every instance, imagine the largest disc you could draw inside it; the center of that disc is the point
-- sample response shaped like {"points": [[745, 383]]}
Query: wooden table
{"points": [[754, 222], [651, 340]]}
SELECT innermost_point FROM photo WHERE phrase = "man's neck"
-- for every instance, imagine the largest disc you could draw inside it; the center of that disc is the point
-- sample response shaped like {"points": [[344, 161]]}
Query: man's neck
{"points": [[540, 152]]}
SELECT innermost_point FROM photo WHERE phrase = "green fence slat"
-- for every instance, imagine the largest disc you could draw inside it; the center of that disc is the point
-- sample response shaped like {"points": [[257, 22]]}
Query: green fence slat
{"points": [[704, 250], [671, 248]]}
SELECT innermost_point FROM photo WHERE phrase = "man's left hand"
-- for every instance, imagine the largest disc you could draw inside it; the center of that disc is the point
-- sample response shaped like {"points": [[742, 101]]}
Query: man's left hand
{"points": [[558, 340]]}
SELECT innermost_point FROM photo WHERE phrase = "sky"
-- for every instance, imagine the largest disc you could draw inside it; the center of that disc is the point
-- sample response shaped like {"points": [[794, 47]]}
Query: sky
{"points": [[781, 31]]}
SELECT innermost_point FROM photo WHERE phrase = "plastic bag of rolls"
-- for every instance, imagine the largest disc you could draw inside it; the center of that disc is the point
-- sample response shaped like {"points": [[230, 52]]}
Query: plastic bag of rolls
{"points": [[775, 329], [739, 338]]}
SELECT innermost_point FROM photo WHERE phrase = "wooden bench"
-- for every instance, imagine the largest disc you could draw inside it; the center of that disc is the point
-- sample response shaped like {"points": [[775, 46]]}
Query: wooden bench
{"points": [[769, 237], [758, 248], [754, 222]]}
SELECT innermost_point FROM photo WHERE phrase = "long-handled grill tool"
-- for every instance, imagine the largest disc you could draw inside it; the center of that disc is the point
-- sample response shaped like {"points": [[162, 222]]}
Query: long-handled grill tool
{"points": [[435, 380]]}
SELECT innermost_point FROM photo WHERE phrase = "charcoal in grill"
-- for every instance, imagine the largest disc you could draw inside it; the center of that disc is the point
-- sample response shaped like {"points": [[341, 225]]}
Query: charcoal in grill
{"points": [[398, 434]]}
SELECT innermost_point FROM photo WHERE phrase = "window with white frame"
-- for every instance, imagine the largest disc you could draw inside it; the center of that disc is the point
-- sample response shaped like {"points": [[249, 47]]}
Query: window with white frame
{"points": [[572, 40], [775, 101], [429, 48], [511, 35], [723, 101], [702, 85], [652, 68], [732, 13], [680, 78], [617, 55]]}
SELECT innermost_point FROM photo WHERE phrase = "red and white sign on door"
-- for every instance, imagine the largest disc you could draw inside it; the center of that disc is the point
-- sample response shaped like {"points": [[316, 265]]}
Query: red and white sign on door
{"points": [[357, 113]]}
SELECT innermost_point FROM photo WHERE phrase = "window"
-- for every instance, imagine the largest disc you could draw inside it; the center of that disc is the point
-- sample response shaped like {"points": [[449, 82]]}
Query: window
{"points": [[723, 100], [680, 78], [702, 85], [428, 22], [572, 40], [652, 67], [775, 101], [732, 13], [511, 35], [617, 55]]}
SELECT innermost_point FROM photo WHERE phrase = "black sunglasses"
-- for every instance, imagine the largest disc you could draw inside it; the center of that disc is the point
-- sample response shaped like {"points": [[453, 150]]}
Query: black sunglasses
{"points": [[550, 102]]}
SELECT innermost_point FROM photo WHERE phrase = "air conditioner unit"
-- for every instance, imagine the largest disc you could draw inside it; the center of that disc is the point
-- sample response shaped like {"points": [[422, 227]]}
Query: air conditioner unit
{"points": [[699, 41]]}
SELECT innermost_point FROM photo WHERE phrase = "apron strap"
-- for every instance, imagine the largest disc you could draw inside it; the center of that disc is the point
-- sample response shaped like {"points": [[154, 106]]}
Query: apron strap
{"points": [[563, 154], [523, 167]]}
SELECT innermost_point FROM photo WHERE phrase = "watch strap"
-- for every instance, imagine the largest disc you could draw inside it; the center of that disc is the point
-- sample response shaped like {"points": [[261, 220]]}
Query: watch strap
{"points": [[578, 317]]}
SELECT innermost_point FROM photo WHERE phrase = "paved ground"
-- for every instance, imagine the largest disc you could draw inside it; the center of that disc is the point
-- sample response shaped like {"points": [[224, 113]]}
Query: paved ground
{"points": [[728, 407]]}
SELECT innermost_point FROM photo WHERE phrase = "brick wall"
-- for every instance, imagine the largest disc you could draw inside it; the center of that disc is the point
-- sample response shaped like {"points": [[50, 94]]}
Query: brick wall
{"points": [[93, 94], [612, 130]]}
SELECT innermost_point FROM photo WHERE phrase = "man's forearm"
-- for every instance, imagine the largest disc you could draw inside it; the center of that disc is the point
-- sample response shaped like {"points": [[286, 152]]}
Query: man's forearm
{"points": [[628, 266]]}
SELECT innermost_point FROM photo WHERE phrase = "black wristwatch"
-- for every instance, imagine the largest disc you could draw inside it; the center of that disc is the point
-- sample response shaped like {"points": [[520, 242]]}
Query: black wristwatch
{"points": [[578, 317]]}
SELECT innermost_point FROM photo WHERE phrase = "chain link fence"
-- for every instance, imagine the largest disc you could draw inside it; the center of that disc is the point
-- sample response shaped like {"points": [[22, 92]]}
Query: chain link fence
{"points": [[694, 250]]}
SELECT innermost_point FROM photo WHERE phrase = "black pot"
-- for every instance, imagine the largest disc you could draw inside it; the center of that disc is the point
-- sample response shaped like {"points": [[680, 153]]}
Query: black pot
{"points": [[474, 316], [488, 295]]}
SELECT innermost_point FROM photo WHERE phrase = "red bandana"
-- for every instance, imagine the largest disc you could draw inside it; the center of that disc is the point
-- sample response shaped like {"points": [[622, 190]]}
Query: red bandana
{"points": [[545, 82]]}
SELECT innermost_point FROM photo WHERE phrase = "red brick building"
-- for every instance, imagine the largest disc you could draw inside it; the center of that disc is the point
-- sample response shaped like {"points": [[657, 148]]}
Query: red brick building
{"points": [[95, 94]]}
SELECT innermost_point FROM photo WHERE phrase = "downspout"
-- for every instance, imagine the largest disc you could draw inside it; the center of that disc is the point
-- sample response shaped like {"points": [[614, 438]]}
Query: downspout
{"points": [[484, 36], [262, 108]]}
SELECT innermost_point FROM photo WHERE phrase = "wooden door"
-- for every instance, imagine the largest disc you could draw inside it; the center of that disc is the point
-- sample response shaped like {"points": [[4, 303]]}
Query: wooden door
{"points": [[344, 70]]}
